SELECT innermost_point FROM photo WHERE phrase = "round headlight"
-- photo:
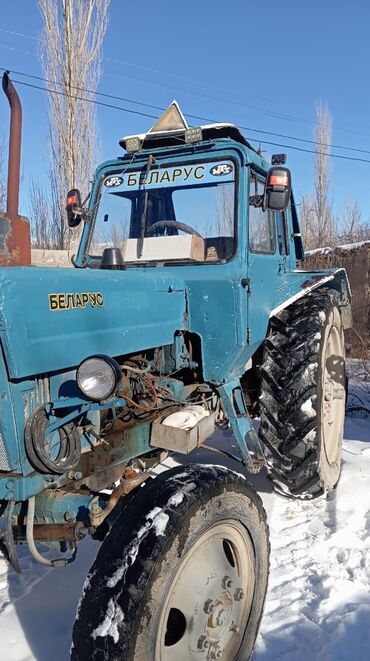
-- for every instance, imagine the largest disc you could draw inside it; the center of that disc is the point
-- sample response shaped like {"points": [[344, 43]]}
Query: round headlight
{"points": [[98, 377]]}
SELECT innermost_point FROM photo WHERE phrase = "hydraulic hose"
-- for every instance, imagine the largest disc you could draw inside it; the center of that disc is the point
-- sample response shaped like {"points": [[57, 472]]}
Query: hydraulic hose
{"points": [[37, 446]]}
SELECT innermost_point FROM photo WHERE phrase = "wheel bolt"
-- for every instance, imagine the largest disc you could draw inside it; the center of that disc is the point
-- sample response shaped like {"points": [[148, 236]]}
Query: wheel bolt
{"points": [[209, 606], [220, 618], [203, 643], [226, 582], [234, 628], [239, 594]]}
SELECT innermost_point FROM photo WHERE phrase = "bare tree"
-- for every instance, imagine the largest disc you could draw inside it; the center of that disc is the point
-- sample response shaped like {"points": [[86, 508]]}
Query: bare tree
{"points": [[224, 210], [38, 210], [308, 221], [323, 134], [318, 219], [350, 225], [71, 52]]}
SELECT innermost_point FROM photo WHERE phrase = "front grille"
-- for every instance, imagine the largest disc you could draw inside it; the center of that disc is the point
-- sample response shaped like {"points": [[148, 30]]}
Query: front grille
{"points": [[34, 398], [4, 463]]}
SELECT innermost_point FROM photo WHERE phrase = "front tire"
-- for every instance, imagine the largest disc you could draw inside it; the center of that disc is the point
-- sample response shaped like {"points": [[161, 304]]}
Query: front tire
{"points": [[182, 574], [303, 395]]}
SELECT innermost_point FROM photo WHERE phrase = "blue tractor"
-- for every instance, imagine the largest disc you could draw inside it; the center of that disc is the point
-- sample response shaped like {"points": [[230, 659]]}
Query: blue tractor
{"points": [[184, 311]]}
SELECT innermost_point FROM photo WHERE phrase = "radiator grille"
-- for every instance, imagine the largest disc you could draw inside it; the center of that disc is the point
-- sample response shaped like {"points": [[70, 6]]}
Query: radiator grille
{"points": [[4, 463], [32, 399]]}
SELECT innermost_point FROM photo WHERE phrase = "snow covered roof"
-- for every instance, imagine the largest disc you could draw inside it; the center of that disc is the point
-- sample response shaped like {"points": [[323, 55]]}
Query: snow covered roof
{"points": [[171, 127], [346, 246]]}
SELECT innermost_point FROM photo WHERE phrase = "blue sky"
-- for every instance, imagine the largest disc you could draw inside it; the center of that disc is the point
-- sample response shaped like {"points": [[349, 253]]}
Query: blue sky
{"points": [[258, 64]]}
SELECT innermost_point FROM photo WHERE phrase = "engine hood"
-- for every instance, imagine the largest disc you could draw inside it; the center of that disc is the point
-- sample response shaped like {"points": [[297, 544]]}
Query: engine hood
{"points": [[52, 318]]}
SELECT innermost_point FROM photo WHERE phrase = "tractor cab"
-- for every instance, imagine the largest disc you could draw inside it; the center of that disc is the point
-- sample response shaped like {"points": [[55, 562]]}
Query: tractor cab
{"points": [[175, 198]]}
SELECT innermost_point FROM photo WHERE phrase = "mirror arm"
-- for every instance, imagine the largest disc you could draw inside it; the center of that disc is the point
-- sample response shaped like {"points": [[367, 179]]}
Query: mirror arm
{"points": [[84, 214], [256, 200]]}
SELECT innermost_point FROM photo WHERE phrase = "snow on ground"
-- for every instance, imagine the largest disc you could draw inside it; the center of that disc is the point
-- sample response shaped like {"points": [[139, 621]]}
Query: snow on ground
{"points": [[318, 602]]}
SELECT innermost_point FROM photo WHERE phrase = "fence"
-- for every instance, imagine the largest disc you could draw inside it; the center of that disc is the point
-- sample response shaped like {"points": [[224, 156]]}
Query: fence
{"points": [[355, 258]]}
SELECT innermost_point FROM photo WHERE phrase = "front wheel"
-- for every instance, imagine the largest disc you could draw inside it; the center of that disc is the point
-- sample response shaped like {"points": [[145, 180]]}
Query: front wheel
{"points": [[182, 575]]}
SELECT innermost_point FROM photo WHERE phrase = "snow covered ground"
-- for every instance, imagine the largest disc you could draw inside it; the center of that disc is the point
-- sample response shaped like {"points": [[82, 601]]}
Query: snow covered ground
{"points": [[318, 602]]}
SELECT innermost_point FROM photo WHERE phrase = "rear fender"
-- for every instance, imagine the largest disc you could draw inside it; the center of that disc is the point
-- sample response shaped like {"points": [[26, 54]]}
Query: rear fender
{"points": [[300, 283]]}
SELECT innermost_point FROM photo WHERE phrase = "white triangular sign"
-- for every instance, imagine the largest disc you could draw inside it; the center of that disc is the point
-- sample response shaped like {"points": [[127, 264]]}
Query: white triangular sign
{"points": [[171, 120]]}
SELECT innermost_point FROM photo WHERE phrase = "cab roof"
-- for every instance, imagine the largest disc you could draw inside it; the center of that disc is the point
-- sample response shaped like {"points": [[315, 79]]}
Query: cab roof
{"points": [[172, 128]]}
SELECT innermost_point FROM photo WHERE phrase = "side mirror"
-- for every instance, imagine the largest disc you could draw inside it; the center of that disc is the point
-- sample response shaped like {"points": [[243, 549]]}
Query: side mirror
{"points": [[73, 207], [277, 189]]}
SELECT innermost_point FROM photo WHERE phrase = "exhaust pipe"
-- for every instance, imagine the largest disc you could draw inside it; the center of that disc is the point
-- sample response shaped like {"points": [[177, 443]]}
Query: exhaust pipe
{"points": [[15, 242], [15, 136]]}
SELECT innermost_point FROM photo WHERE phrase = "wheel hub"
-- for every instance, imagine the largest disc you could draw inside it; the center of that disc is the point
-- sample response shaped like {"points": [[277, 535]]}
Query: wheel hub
{"points": [[220, 613], [213, 592]]}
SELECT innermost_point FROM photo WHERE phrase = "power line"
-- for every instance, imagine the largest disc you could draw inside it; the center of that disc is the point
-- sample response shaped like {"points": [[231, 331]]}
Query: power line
{"points": [[203, 95], [141, 67], [177, 76], [80, 98], [18, 34], [142, 114], [267, 112], [17, 50], [206, 119], [171, 86]]}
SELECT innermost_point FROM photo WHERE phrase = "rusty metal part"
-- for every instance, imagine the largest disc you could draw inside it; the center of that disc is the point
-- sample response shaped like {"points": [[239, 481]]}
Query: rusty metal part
{"points": [[15, 243], [52, 532], [153, 395], [130, 481], [14, 162], [9, 538]]}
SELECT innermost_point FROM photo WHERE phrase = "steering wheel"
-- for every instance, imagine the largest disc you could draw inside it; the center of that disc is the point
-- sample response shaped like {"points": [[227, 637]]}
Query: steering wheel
{"points": [[161, 224]]}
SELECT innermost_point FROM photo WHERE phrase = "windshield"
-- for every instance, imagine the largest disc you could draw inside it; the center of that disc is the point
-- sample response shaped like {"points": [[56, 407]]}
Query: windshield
{"points": [[184, 212]]}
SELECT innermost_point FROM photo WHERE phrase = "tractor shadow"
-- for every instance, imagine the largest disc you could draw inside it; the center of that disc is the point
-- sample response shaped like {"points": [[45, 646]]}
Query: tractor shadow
{"points": [[224, 441], [39, 611]]}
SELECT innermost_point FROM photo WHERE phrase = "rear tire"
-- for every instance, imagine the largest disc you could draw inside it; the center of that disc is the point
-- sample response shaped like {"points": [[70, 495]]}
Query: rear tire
{"points": [[182, 574], [303, 395]]}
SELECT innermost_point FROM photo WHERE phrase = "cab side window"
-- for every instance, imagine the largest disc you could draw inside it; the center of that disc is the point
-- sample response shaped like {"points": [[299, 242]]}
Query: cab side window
{"points": [[262, 236]]}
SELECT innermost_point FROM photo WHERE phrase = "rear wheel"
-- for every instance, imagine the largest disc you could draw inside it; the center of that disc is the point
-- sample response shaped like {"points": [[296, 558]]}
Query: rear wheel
{"points": [[182, 574], [303, 395]]}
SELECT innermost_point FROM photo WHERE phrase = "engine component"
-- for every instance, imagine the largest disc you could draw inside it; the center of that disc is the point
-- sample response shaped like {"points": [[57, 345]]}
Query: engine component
{"points": [[131, 480], [57, 562], [186, 418], [183, 430], [49, 532], [8, 539]]}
